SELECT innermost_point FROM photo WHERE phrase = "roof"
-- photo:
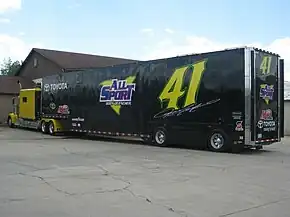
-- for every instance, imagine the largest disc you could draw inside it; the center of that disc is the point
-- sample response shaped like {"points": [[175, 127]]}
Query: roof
{"points": [[9, 84], [71, 60]]}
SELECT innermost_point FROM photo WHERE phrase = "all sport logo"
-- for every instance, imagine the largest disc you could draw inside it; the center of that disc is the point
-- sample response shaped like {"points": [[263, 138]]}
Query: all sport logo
{"points": [[266, 92], [118, 92]]}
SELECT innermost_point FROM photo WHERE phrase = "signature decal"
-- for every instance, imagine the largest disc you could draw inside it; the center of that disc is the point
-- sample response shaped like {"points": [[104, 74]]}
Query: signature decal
{"points": [[178, 112]]}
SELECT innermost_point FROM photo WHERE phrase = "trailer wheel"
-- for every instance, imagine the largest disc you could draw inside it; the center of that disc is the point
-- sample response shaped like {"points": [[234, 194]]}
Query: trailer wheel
{"points": [[44, 128], [217, 141], [51, 128], [9, 122], [160, 136]]}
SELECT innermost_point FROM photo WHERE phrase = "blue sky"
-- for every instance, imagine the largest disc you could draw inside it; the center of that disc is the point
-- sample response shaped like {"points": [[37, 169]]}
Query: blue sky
{"points": [[115, 27]]}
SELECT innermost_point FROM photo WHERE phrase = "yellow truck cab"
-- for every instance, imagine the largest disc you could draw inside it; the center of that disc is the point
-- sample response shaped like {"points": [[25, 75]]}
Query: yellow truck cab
{"points": [[26, 113]]}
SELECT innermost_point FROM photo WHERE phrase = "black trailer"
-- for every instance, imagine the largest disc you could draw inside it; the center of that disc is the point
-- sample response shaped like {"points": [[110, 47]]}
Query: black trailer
{"points": [[222, 100]]}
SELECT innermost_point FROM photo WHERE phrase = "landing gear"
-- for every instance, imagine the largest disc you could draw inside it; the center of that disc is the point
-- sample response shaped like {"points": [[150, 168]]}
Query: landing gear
{"points": [[259, 147]]}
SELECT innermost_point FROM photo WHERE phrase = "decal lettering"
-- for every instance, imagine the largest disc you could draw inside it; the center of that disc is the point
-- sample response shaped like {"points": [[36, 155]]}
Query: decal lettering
{"points": [[266, 92], [266, 115], [266, 65], [55, 87], [117, 93], [267, 126], [173, 89], [237, 115], [239, 126]]}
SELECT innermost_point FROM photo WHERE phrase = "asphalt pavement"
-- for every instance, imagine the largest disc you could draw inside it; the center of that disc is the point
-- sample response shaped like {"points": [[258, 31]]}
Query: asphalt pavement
{"points": [[69, 177]]}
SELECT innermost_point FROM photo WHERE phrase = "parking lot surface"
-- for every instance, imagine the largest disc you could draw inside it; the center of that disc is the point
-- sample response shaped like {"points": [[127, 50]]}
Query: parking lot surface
{"points": [[60, 177]]}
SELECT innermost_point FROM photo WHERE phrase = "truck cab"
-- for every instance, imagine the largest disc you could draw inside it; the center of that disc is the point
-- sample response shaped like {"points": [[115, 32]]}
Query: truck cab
{"points": [[25, 108]]}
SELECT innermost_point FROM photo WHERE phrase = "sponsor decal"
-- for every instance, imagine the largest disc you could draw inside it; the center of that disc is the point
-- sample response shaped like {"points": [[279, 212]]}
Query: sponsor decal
{"points": [[63, 109], [55, 87], [237, 115], [267, 126], [266, 115], [118, 93], [266, 92], [239, 126], [78, 119], [260, 124], [52, 105]]}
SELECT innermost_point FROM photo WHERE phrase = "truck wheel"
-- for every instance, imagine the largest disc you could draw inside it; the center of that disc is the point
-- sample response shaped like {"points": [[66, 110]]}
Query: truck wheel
{"points": [[217, 141], [44, 129], [160, 136], [51, 128], [9, 122]]}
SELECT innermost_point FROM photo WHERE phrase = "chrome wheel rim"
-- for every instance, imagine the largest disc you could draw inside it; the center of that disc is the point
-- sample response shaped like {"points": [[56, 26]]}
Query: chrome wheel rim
{"points": [[217, 141], [51, 128], [43, 127], [160, 137]]}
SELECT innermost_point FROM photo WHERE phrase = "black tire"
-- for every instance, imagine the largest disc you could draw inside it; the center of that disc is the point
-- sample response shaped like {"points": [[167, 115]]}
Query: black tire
{"points": [[160, 137], [44, 127], [218, 141], [51, 128], [9, 122]]}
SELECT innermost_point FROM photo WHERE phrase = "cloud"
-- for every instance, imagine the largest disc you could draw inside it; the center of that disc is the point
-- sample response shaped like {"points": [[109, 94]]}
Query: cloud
{"points": [[4, 20], [168, 30], [74, 5], [6, 5], [176, 46], [14, 47], [147, 31]]}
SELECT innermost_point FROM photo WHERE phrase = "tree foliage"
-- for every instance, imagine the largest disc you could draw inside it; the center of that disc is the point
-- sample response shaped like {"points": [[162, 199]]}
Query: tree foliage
{"points": [[9, 67]]}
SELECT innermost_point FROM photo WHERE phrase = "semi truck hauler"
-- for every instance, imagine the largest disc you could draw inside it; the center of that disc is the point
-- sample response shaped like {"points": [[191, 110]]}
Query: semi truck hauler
{"points": [[27, 113], [223, 100]]}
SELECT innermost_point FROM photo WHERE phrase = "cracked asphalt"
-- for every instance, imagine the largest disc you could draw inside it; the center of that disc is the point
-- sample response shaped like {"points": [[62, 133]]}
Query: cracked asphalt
{"points": [[60, 177]]}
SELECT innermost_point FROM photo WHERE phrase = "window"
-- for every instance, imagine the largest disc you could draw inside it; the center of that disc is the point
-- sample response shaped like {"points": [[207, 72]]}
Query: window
{"points": [[35, 63], [24, 99]]}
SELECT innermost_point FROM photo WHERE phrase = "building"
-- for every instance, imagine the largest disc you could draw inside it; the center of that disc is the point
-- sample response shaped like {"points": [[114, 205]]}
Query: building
{"points": [[42, 62], [9, 88]]}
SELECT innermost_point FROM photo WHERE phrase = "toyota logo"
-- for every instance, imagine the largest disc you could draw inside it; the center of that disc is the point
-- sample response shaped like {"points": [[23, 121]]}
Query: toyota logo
{"points": [[46, 87], [260, 124]]}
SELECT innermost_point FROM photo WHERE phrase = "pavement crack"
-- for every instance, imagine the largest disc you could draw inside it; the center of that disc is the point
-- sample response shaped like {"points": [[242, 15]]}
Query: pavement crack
{"points": [[48, 184], [35, 169], [127, 188], [169, 208], [255, 207]]}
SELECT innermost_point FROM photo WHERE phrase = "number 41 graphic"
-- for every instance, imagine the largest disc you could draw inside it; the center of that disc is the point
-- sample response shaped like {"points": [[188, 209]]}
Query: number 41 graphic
{"points": [[173, 89]]}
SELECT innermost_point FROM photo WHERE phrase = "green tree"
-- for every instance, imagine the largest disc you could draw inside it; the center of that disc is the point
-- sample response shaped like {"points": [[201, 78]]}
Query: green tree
{"points": [[9, 67]]}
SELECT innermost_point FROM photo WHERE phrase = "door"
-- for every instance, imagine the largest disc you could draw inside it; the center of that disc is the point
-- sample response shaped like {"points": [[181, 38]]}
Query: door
{"points": [[266, 97]]}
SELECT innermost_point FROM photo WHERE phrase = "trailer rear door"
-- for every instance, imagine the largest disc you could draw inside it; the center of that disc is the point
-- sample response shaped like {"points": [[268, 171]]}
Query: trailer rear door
{"points": [[266, 100]]}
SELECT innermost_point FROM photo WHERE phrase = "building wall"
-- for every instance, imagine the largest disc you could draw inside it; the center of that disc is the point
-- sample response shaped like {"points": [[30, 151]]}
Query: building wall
{"points": [[37, 67], [5, 107], [287, 118]]}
